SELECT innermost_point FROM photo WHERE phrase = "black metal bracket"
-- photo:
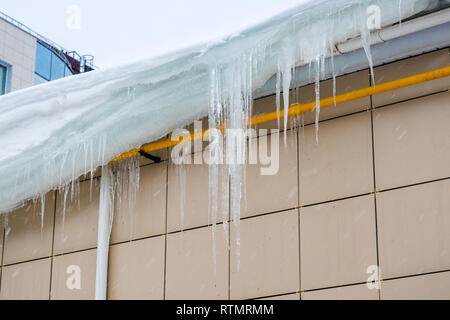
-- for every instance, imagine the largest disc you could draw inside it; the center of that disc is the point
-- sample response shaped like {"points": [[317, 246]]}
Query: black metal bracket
{"points": [[149, 156]]}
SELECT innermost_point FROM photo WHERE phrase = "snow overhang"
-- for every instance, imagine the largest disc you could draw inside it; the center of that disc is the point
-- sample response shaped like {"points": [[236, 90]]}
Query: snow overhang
{"points": [[56, 132]]}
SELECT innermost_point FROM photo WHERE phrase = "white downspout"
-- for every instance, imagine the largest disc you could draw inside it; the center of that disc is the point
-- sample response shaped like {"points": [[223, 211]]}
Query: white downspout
{"points": [[105, 219]]}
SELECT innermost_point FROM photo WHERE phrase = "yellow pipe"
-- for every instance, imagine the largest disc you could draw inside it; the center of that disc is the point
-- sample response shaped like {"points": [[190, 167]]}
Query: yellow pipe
{"points": [[305, 107]]}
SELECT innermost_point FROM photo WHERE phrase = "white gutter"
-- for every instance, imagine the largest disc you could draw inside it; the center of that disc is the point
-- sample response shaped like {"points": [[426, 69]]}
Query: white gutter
{"points": [[390, 46], [400, 30], [105, 219]]}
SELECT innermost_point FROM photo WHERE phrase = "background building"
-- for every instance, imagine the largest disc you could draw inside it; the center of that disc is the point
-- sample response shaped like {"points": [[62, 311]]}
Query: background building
{"points": [[28, 58]]}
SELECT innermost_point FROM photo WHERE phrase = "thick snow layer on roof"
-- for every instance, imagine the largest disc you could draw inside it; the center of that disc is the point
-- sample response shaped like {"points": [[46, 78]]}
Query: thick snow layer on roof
{"points": [[53, 133]]}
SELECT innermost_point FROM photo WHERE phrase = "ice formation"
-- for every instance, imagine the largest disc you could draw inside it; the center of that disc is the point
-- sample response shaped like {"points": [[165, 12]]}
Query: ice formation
{"points": [[53, 133]]}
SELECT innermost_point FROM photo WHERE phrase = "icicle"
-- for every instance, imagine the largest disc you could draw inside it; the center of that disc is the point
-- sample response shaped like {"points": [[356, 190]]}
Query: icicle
{"points": [[213, 177], [287, 77], [333, 72], [317, 91], [126, 184], [42, 197], [6, 225], [278, 94], [91, 152], [365, 38]]}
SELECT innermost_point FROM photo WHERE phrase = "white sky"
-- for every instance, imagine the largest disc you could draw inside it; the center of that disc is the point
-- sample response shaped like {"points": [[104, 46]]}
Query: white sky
{"points": [[116, 32]]}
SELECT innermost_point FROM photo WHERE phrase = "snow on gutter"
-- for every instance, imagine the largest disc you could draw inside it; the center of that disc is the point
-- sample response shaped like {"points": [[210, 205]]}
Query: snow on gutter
{"points": [[53, 133]]}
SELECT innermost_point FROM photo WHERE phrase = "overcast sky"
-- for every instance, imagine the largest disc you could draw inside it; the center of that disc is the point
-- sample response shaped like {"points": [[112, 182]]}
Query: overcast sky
{"points": [[116, 32]]}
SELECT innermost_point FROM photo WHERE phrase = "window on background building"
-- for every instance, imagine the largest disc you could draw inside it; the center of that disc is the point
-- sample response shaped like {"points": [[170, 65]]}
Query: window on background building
{"points": [[49, 66], [43, 62], [2, 80]]}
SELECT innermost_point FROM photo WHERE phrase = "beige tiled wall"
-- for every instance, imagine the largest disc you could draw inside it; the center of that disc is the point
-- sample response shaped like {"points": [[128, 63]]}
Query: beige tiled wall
{"points": [[18, 49], [374, 191]]}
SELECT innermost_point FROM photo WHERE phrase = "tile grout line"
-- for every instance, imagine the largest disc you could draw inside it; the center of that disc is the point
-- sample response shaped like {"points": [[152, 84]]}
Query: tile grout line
{"points": [[275, 295], [298, 215], [49, 257], [413, 184], [165, 232], [344, 285], [374, 184], [336, 200], [417, 275], [53, 245]]}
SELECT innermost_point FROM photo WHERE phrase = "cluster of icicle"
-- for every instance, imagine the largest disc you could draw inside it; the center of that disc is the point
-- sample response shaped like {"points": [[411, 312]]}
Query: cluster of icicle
{"points": [[308, 37], [52, 134]]}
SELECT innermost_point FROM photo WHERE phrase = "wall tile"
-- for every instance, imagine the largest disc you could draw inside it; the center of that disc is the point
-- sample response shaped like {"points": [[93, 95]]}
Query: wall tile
{"points": [[29, 239], [136, 270], [338, 242], [269, 256], [192, 272], [272, 191], [26, 281], [412, 141], [65, 271], [340, 165], [294, 296], [195, 206], [149, 215], [427, 287], [413, 226], [77, 228]]}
